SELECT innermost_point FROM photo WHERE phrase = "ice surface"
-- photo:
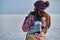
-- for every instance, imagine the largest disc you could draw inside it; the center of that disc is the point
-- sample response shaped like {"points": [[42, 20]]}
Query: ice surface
{"points": [[11, 27]]}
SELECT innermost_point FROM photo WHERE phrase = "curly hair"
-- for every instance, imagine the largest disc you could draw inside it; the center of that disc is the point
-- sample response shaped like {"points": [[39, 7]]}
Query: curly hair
{"points": [[41, 5]]}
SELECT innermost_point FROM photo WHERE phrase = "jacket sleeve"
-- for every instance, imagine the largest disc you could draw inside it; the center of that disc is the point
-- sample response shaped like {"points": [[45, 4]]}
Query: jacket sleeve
{"points": [[25, 28]]}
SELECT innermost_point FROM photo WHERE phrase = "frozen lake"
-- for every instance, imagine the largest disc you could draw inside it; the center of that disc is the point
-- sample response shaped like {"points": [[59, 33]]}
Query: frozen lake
{"points": [[10, 27]]}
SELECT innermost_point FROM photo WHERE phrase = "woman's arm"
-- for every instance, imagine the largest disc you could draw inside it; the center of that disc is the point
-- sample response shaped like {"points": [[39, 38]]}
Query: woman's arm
{"points": [[48, 21]]}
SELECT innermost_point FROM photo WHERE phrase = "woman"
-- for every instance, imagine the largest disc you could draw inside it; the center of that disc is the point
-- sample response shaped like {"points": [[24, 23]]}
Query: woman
{"points": [[39, 12]]}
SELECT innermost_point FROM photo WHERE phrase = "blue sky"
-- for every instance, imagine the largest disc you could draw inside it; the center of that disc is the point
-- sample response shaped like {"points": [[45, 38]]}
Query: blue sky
{"points": [[25, 6]]}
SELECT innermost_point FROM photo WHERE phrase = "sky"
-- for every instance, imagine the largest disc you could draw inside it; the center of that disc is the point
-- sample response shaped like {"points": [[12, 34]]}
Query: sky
{"points": [[26, 6]]}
